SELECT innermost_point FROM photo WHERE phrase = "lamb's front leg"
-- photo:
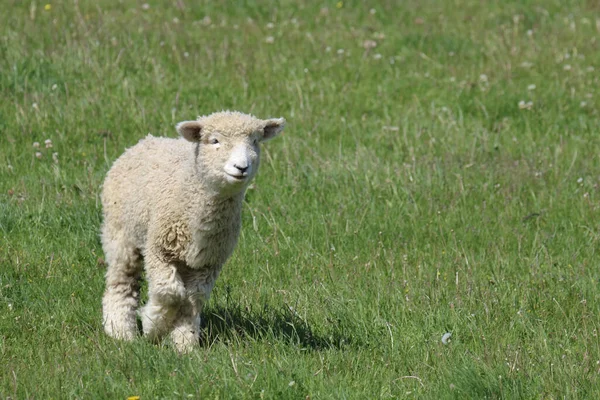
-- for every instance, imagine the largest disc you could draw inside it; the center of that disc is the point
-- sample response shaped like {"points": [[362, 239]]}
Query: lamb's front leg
{"points": [[166, 294], [185, 334], [199, 285]]}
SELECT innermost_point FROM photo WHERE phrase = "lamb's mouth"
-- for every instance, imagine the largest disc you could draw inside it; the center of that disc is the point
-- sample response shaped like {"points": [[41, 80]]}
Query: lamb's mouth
{"points": [[240, 177]]}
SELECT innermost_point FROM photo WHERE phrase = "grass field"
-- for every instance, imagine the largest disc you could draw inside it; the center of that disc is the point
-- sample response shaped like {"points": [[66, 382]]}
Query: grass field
{"points": [[439, 173]]}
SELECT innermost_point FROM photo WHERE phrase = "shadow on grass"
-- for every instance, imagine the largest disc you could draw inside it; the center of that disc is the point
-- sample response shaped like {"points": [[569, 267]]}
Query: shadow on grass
{"points": [[232, 323]]}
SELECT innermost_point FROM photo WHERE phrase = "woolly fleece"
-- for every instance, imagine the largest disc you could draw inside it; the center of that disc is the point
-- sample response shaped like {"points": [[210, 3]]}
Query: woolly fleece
{"points": [[173, 207]]}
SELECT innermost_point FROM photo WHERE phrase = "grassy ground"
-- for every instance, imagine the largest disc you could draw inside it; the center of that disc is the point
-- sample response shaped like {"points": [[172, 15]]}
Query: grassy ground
{"points": [[445, 180]]}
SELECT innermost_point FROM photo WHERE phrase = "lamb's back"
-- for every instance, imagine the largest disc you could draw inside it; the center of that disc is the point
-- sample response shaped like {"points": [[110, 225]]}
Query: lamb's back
{"points": [[145, 177]]}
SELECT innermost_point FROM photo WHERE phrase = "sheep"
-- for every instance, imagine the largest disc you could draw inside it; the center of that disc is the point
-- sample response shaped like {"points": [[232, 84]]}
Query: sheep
{"points": [[173, 207]]}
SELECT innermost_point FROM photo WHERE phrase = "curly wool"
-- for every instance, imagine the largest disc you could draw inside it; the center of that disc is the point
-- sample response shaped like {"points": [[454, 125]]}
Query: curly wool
{"points": [[170, 208]]}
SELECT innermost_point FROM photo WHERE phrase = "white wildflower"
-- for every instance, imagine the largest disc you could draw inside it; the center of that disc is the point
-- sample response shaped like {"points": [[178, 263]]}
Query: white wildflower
{"points": [[531, 87], [369, 44], [525, 105], [446, 337], [270, 39]]}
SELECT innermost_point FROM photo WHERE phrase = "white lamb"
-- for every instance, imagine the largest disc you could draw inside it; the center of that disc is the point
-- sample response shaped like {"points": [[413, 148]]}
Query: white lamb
{"points": [[175, 206]]}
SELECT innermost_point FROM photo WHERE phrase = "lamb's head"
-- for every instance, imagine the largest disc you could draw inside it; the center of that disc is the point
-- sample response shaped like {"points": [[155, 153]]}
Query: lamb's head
{"points": [[228, 146]]}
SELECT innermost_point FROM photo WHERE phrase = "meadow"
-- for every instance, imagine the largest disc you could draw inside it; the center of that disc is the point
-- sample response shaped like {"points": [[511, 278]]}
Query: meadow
{"points": [[439, 173]]}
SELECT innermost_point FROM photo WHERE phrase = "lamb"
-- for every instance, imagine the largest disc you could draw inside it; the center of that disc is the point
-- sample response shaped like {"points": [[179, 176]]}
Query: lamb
{"points": [[173, 207]]}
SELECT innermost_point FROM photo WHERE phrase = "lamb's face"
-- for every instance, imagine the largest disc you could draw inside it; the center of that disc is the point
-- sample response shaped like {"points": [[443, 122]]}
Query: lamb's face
{"points": [[231, 160], [229, 146]]}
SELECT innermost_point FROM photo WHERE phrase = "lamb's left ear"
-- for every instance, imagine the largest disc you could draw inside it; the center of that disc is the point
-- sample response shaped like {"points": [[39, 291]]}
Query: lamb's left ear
{"points": [[190, 130], [272, 128]]}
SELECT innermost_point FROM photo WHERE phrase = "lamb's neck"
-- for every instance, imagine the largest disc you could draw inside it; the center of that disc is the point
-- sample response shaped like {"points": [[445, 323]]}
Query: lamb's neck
{"points": [[202, 202], [222, 197], [233, 201]]}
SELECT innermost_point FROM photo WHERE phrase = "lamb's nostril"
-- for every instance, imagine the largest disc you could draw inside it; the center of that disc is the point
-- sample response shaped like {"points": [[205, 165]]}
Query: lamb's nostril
{"points": [[242, 169]]}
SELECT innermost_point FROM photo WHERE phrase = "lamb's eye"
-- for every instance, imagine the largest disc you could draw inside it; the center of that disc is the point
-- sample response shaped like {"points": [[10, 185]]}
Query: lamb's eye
{"points": [[214, 141]]}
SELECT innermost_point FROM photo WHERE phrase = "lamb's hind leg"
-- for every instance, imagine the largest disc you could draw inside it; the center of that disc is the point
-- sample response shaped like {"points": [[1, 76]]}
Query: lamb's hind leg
{"points": [[121, 296]]}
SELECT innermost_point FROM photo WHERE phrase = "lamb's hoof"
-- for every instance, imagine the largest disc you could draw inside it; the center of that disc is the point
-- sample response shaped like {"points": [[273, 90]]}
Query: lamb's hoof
{"points": [[119, 330], [156, 320], [184, 342]]}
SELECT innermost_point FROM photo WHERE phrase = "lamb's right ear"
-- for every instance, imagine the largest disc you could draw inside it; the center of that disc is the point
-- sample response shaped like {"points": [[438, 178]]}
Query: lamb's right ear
{"points": [[190, 130], [272, 128]]}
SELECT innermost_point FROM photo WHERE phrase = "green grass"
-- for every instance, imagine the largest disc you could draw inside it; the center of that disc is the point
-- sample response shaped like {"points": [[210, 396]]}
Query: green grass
{"points": [[409, 196]]}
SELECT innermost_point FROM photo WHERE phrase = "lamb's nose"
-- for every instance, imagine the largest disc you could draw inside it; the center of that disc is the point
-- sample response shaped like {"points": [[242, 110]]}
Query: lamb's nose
{"points": [[242, 169]]}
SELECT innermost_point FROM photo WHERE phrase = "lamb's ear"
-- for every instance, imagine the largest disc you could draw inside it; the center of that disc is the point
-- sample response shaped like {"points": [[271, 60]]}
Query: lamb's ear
{"points": [[190, 130], [272, 128]]}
